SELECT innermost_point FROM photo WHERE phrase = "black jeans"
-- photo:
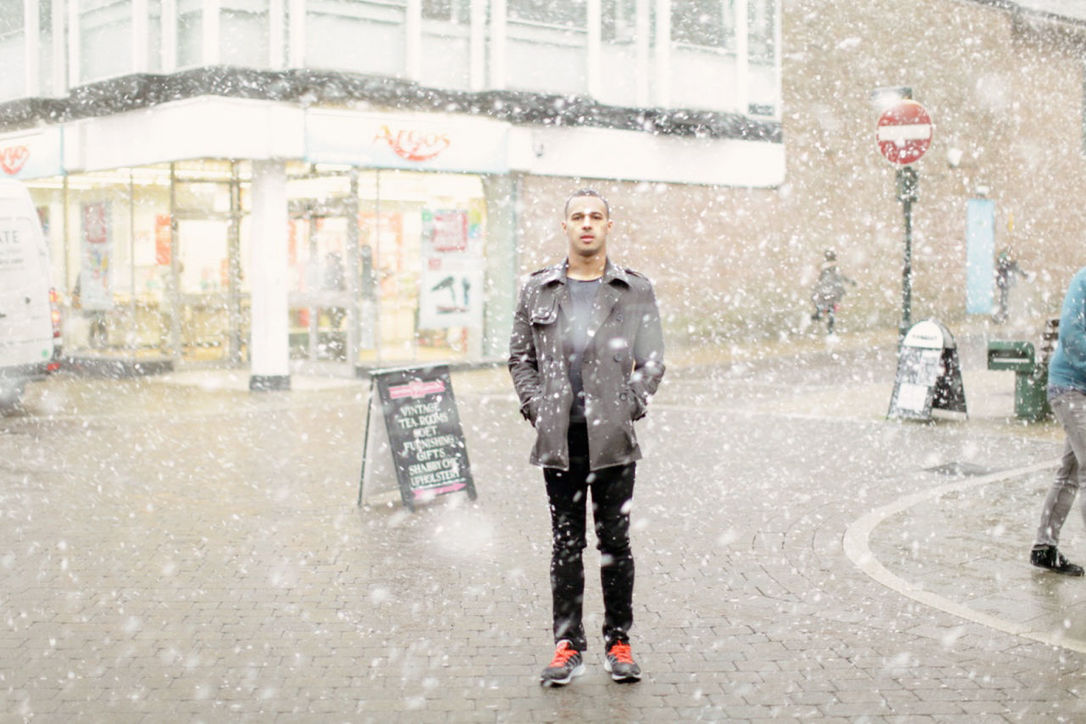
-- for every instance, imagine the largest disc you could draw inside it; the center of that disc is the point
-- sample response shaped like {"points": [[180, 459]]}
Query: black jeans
{"points": [[612, 490]]}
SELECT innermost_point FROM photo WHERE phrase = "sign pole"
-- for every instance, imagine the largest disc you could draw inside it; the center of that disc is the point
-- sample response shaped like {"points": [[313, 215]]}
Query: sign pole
{"points": [[907, 181], [903, 134], [366, 440]]}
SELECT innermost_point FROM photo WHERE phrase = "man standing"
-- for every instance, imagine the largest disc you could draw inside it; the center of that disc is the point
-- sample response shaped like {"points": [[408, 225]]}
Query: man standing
{"points": [[1067, 397], [586, 355]]}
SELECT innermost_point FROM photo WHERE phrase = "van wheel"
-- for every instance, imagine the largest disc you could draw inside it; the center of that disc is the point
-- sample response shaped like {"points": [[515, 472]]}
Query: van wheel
{"points": [[10, 393]]}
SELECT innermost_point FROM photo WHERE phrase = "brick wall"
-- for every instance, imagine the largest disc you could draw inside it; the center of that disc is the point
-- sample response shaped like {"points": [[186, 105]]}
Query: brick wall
{"points": [[1008, 94]]}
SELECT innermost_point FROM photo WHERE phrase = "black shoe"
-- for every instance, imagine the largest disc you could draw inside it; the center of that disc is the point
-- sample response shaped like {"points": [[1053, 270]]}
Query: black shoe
{"points": [[619, 662], [566, 664], [1050, 558]]}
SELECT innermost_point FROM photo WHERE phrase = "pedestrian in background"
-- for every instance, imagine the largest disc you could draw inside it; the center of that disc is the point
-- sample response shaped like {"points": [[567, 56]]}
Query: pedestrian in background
{"points": [[1006, 274], [586, 355], [1067, 397], [828, 290]]}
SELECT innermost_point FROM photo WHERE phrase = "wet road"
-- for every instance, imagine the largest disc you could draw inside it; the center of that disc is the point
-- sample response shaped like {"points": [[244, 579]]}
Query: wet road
{"points": [[179, 549]]}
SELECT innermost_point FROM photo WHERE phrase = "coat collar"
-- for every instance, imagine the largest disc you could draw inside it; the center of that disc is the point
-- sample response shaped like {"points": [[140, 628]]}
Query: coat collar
{"points": [[557, 273]]}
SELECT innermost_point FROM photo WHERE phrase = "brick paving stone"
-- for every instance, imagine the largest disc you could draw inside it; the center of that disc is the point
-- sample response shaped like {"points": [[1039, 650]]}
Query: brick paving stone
{"points": [[257, 591]]}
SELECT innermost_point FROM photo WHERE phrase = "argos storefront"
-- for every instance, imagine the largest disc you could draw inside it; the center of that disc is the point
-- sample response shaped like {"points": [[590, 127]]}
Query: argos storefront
{"points": [[226, 231]]}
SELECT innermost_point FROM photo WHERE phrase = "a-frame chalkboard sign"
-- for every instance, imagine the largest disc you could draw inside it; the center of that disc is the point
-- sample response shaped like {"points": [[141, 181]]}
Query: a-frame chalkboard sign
{"points": [[424, 435], [929, 374]]}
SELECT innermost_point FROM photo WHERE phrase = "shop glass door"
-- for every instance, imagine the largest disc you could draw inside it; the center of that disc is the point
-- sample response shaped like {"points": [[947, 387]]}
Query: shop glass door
{"points": [[422, 248], [203, 283], [207, 315], [319, 299]]}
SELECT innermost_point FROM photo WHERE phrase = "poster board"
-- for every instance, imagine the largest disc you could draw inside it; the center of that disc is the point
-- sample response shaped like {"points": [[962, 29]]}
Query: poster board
{"points": [[422, 438], [95, 291], [929, 374]]}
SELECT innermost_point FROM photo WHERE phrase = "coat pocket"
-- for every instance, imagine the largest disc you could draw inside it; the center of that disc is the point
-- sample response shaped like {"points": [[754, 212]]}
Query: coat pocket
{"points": [[545, 313]]}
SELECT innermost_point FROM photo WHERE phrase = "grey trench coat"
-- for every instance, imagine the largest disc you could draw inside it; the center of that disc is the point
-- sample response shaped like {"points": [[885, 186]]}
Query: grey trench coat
{"points": [[622, 364]]}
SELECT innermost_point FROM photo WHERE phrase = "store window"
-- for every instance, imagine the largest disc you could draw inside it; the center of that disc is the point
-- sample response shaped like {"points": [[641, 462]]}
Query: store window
{"points": [[154, 35], [764, 69], [567, 13], [452, 11], [356, 35], [189, 33], [101, 228], [547, 46], [11, 49], [245, 33], [707, 23], [45, 47], [445, 49], [413, 282], [105, 40], [618, 21], [150, 260], [762, 31], [427, 241]]}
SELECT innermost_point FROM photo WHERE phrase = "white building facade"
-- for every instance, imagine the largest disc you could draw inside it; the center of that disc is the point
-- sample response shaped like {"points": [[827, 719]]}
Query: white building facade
{"points": [[273, 183]]}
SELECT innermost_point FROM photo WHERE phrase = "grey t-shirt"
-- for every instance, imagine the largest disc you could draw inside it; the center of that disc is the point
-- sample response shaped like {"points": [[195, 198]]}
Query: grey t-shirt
{"points": [[582, 295]]}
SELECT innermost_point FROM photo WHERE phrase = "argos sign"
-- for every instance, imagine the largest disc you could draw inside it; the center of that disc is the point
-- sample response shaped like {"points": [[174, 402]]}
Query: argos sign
{"points": [[31, 155], [412, 144], [425, 142], [13, 157]]}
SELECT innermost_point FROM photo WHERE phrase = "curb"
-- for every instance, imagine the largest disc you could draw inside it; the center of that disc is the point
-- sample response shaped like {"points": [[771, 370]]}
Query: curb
{"points": [[855, 544]]}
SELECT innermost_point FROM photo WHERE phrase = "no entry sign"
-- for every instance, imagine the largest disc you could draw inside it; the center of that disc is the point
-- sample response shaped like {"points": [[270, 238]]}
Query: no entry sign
{"points": [[904, 132]]}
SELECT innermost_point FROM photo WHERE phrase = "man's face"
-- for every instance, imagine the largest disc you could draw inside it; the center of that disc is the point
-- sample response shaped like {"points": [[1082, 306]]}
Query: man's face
{"points": [[586, 225]]}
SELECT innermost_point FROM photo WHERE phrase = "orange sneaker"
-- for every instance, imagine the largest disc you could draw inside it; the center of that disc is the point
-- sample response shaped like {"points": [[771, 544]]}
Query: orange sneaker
{"points": [[619, 662], [564, 667], [566, 664]]}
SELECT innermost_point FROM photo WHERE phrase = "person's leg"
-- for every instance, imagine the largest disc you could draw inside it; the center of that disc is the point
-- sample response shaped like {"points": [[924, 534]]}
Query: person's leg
{"points": [[1070, 409], [612, 494], [567, 491], [1059, 499]]}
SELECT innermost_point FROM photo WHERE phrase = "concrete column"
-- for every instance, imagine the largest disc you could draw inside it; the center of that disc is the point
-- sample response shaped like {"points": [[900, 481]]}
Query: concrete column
{"points": [[478, 45], [75, 53], [168, 58], [501, 264], [31, 49], [412, 28], [277, 34], [269, 345], [594, 49], [742, 57], [59, 85], [141, 55], [498, 44], [662, 85], [642, 48], [296, 34], [211, 29]]}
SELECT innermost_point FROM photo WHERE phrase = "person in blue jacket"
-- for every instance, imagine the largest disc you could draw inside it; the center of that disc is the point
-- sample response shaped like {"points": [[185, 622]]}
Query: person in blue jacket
{"points": [[1067, 397]]}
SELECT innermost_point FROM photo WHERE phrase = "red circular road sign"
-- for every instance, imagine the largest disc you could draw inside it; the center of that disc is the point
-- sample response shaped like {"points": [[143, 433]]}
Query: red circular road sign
{"points": [[904, 132]]}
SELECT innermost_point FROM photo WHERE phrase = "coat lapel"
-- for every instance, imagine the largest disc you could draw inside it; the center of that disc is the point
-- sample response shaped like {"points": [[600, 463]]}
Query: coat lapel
{"points": [[614, 280], [606, 299]]}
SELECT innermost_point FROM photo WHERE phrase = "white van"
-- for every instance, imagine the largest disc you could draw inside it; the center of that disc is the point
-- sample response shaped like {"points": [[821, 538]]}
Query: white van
{"points": [[29, 316]]}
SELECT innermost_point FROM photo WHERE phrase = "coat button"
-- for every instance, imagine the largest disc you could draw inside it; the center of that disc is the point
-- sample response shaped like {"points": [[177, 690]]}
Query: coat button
{"points": [[618, 358]]}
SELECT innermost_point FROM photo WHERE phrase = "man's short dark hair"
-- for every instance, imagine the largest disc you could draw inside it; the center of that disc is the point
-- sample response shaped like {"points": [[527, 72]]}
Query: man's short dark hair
{"points": [[587, 192]]}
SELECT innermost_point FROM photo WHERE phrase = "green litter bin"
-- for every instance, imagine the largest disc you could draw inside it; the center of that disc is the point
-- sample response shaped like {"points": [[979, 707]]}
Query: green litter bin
{"points": [[1030, 377]]}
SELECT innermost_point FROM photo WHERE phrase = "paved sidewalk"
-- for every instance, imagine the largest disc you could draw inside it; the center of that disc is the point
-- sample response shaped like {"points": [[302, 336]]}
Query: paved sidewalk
{"points": [[176, 549]]}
